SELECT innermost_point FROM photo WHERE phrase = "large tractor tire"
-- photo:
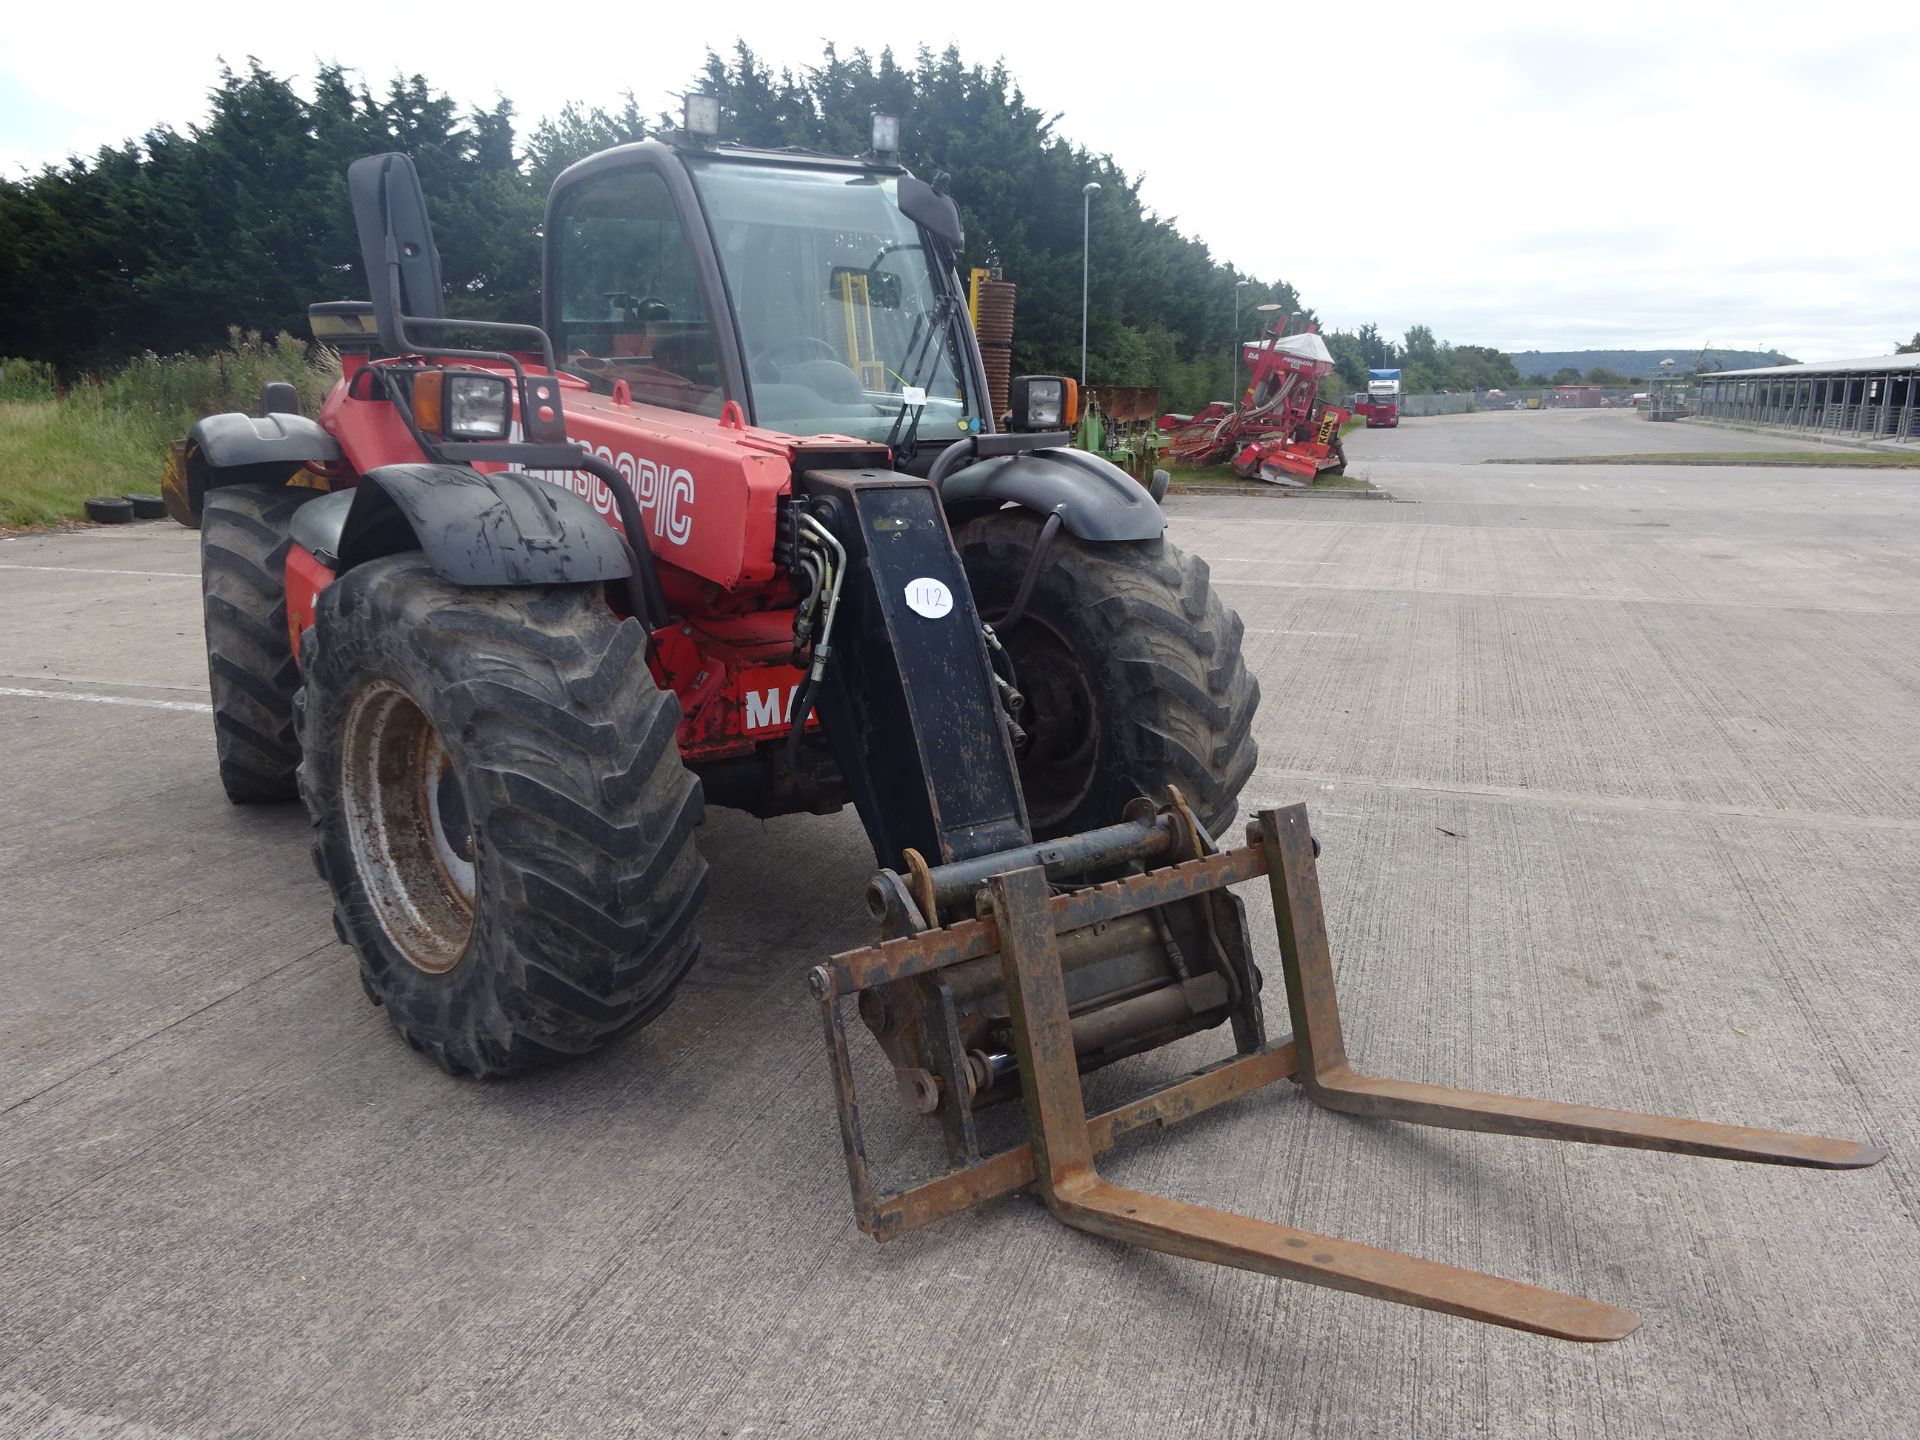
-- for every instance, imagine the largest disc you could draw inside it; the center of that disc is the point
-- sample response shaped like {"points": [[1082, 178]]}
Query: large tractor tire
{"points": [[1131, 672], [501, 812], [243, 594]]}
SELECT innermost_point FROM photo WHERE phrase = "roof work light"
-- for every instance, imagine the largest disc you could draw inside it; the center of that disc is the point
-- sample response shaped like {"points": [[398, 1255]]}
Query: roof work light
{"points": [[886, 136], [700, 114]]}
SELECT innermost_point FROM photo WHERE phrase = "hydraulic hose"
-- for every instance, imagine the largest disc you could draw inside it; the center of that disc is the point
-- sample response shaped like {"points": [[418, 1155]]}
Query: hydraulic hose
{"points": [[647, 600], [802, 704]]}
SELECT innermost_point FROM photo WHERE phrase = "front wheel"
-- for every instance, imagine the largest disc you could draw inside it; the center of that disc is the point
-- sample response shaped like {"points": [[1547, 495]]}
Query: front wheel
{"points": [[1131, 672], [501, 812]]}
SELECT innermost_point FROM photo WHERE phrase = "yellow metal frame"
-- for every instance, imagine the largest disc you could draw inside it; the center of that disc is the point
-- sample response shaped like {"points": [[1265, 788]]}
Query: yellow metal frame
{"points": [[856, 309]]}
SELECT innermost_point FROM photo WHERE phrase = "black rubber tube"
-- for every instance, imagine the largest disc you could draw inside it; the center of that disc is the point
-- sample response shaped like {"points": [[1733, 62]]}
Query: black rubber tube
{"points": [[950, 460], [988, 447], [1018, 610], [649, 602]]}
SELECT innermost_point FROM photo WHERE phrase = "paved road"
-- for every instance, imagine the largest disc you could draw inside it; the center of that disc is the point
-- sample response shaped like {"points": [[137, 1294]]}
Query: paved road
{"points": [[1531, 434], [1615, 771]]}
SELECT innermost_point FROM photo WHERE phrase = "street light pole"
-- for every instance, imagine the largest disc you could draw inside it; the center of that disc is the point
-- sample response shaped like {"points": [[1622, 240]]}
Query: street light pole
{"points": [[1086, 219], [1238, 286]]}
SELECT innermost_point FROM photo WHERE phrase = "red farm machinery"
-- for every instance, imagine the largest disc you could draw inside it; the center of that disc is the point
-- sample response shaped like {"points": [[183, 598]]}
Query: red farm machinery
{"points": [[736, 525], [1280, 431]]}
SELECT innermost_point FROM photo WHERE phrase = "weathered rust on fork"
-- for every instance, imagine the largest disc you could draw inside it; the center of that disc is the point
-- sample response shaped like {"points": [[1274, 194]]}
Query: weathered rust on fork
{"points": [[1023, 925], [1074, 1191]]}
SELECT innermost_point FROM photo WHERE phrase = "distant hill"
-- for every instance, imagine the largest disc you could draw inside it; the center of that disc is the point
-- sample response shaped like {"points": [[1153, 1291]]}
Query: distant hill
{"points": [[1641, 364]]}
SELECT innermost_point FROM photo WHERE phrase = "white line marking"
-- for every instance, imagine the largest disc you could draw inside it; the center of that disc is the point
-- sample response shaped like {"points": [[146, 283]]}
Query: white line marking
{"points": [[105, 699], [98, 680], [89, 570], [1258, 630]]}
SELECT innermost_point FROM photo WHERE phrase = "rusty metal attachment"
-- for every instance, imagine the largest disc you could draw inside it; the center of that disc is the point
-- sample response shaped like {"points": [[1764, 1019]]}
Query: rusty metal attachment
{"points": [[1037, 987]]}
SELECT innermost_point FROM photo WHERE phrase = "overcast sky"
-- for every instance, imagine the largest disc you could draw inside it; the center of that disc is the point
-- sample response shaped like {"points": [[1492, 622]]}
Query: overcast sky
{"points": [[1669, 176]]}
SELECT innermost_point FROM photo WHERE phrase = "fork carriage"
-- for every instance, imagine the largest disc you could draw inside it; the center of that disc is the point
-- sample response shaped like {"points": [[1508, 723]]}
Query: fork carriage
{"points": [[1036, 939]]}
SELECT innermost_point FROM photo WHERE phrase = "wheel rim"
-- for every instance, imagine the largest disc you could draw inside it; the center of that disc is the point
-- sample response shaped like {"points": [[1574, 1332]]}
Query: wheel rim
{"points": [[412, 832], [1061, 754]]}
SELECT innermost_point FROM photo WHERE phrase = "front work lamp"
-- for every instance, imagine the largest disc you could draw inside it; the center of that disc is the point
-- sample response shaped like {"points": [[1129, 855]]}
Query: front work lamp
{"points": [[1044, 402]]}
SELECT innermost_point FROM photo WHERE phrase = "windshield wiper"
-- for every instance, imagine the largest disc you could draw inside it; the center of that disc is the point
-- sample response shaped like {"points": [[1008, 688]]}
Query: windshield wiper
{"points": [[946, 310]]}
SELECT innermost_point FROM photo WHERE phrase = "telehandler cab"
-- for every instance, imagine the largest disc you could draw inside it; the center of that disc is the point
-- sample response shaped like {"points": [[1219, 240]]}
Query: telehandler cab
{"points": [[733, 524]]}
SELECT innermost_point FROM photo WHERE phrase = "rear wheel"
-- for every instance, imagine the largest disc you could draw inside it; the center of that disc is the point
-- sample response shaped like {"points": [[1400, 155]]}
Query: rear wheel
{"points": [[501, 812], [1131, 671], [250, 669]]}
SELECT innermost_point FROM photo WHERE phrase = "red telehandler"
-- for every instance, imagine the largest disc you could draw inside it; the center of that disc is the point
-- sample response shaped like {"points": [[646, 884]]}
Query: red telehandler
{"points": [[734, 525]]}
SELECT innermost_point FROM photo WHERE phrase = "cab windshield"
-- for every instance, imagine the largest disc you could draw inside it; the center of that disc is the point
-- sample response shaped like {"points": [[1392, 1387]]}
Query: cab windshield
{"points": [[840, 310]]}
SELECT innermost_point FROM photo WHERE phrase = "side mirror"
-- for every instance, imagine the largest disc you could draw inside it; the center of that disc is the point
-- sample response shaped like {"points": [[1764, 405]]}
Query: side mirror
{"points": [[396, 244], [278, 397], [933, 212]]}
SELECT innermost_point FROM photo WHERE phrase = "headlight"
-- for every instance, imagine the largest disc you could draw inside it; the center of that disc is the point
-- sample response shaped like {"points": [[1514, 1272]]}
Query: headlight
{"points": [[479, 407], [1043, 402]]}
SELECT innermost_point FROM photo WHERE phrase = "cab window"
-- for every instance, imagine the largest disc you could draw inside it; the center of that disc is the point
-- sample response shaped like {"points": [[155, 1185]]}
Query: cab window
{"points": [[629, 305]]}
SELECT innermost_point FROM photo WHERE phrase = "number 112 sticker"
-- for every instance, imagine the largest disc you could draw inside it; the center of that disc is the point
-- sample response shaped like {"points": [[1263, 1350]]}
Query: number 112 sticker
{"points": [[929, 597]]}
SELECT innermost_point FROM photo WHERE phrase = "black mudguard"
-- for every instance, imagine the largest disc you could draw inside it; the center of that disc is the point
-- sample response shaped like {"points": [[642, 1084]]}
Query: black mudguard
{"points": [[1095, 499], [506, 528], [236, 449]]}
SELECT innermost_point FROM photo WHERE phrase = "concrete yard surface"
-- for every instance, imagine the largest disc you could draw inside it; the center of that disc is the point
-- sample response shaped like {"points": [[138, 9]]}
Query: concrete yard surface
{"points": [[1615, 770]]}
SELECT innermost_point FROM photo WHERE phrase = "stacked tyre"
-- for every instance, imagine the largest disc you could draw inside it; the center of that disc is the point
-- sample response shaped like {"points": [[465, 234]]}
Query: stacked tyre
{"points": [[994, 330]]}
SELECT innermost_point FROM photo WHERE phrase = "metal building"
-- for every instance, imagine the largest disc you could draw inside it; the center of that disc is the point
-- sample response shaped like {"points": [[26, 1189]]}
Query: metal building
{"points": [[1868, 398]]}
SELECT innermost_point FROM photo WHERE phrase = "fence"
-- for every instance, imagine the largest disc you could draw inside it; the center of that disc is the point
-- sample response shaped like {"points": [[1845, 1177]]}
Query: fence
{"points": [[1516, 399], [1435, 404]]}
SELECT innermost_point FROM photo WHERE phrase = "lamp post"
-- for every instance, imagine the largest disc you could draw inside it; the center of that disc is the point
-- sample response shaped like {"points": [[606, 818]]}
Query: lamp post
{"points": [[1238, 286], [1086, 219]]}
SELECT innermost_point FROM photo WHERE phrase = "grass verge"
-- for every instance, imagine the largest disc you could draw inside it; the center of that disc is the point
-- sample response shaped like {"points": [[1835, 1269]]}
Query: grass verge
{"points": [[54, 454], [1805, 459], [109, 437]]}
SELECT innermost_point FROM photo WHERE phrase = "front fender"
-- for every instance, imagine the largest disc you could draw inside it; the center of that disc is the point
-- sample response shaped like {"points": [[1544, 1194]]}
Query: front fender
{"points": [[1095, 499], [506, 528]]}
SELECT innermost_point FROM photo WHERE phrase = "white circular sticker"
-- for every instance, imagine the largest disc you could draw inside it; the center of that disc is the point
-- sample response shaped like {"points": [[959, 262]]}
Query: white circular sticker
{"points": [[929, 597]]}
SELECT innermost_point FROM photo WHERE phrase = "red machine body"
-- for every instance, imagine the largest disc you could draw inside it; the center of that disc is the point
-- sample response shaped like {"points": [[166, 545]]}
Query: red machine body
{"points": [[710, 495], [1280, 430]]}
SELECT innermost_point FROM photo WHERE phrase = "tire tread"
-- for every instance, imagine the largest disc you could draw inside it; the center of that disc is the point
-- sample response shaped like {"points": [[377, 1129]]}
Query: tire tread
{"points": [[250, 669], [586, 811], [1170, 646]]}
